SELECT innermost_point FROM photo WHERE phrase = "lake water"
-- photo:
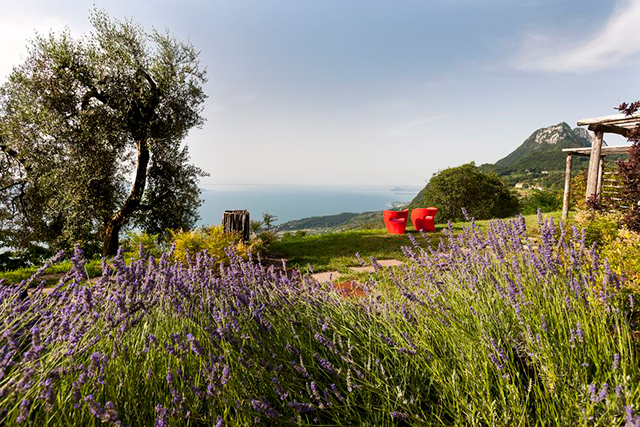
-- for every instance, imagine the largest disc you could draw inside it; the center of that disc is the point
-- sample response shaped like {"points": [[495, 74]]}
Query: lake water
{"points": [[297, 202]]}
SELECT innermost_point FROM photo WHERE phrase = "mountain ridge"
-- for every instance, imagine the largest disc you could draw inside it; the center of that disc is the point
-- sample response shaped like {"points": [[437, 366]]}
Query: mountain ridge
{"points": [[542, 150]]}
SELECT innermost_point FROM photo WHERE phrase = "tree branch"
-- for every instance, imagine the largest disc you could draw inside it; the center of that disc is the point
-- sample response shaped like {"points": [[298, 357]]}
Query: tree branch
{"points": [[93, 93], [6, 187]]}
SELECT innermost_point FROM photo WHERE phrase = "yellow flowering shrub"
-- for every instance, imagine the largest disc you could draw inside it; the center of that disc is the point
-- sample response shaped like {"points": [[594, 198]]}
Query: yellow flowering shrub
{"points": [[213, 239], [623, 254], [600, 227]]}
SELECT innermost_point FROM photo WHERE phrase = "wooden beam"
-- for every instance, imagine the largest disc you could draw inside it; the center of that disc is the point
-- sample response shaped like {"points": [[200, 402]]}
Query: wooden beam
{"points": [[604, 151], [620, 120], [599, 183], [567, 188], [594, 165], [610, 129]]}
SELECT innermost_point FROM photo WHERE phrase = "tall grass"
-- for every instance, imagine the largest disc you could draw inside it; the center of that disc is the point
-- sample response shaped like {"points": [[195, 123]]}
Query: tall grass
{"points": [[491, 328]]}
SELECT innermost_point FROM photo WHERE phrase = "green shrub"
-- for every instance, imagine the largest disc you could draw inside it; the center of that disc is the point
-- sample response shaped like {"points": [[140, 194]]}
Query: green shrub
{"points": [[150, 242], [623, 254], [213, 239], [545, 200], [267, 237], [578, 190], [483, 195], [600, 227]]}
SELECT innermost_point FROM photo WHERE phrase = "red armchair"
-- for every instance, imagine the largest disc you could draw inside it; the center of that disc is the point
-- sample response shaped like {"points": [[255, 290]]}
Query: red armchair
{"points": [[423, 219], [395, 221]]}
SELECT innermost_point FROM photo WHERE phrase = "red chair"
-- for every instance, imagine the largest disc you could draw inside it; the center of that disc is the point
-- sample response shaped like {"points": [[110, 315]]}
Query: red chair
{"points": [[423, 219], [395, 221]]}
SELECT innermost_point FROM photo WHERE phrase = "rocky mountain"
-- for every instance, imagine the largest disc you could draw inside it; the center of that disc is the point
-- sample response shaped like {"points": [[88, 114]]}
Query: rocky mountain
{"points": [[542, 151]]}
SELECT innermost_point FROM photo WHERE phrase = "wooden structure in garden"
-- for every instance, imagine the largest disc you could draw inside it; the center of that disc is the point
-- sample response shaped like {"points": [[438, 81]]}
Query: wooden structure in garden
{"points": [[619, 124], [237, 221]]}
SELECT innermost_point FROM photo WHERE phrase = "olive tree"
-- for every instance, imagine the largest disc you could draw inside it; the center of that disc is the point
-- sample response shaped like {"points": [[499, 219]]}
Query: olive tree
{"points": [[92, 132]]}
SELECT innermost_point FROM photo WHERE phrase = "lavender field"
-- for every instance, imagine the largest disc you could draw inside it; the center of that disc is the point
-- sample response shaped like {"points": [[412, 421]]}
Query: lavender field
{"points": [[490, 328]]}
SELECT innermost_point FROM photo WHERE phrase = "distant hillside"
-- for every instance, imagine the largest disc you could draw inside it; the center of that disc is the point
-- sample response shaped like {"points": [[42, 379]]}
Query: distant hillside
{"points": [[542, 151], [341, 222], [317, 222]]}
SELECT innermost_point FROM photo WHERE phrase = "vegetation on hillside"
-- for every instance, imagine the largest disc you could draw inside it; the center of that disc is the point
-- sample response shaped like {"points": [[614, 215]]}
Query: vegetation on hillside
{"points": [[542, 151], [326, 221]]}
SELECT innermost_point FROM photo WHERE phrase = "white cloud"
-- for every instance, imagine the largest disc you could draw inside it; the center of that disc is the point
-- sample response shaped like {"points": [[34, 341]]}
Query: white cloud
{"points": [[616, 42]]}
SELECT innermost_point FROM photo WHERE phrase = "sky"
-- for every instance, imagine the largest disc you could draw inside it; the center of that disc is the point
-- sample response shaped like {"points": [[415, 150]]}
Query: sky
{"points": [[374, 92]]}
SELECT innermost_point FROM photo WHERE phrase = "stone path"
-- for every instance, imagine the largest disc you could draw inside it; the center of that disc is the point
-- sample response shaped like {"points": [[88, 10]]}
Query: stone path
{"points": [[326, 276], [330, 276]]}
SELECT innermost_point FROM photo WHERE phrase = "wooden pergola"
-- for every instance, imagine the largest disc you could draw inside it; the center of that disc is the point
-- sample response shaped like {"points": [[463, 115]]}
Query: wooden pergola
{"points": [[618, 124]]}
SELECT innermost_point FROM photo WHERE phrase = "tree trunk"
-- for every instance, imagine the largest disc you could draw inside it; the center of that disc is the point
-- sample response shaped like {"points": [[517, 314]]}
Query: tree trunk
{"points": [[236, 221], [120, 218]]}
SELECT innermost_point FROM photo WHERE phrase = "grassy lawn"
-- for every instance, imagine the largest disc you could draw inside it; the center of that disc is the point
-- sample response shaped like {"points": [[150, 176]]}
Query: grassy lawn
{"points": [[323, 252], [336, 251], [53, 273]]}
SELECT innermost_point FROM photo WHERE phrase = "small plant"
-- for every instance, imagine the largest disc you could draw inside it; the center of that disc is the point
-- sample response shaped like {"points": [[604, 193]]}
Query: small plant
{"points": [[268, 219], [600, 227], [578, 190], [623, 255], [254, 226], [149, 242], [212, 239], [544, 200]]}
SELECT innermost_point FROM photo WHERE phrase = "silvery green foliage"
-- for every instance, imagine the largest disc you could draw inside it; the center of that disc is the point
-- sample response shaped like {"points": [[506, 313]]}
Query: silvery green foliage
{"points": [[80, 116]]}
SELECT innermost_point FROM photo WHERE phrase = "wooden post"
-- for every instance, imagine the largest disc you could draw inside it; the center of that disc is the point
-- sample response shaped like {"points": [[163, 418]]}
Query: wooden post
{"points": [[567, 188], [600, 178], [594, 166], [238, 221]]}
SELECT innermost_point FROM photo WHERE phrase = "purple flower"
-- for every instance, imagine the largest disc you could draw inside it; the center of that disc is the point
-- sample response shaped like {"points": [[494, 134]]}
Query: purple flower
{"points": [[598, 396], [497, 356], [302, 407], [314, 390], [109, 414], [162, 419], [25, 407], [264, 408], [579, 332], [195, 345], [324, 363], [225, 375], [399, 415], [336, 393], [631, 419], [327, 343]]}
